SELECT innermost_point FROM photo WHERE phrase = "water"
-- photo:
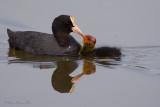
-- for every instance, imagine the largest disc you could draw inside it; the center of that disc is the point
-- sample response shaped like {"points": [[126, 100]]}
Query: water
{"points": [[28, 80], [132, 81]]}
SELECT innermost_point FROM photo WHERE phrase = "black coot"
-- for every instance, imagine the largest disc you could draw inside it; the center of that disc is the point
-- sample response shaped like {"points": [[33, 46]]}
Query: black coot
{"points": [[58, 43]]}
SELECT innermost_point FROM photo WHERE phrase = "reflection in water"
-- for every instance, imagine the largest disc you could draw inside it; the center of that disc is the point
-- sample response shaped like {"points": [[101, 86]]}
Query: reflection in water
{"points": [[61, 80]]}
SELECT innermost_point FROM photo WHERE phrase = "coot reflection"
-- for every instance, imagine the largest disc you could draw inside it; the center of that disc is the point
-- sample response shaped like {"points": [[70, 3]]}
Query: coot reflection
{"points": [[61, 79]]}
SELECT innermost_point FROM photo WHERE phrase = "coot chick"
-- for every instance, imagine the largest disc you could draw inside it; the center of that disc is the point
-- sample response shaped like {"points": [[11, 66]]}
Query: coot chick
{"points": [[88, 49], [58, 43]]}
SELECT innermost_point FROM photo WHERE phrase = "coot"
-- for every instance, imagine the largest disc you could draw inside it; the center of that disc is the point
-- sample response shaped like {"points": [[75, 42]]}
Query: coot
{"points": [[58, 43]]}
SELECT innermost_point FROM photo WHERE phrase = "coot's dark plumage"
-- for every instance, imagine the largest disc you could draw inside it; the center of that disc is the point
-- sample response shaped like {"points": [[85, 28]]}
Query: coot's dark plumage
{"points": [[58, 43], [41, 43], [110, 52]]}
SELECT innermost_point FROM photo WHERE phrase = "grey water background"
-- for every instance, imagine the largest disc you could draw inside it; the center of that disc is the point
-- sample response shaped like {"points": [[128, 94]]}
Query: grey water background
{"points": [[132, 25]]}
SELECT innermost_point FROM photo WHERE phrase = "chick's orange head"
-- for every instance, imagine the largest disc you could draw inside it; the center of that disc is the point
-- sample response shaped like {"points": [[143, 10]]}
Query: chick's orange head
{"points": [[89, 39], [89, 42]]}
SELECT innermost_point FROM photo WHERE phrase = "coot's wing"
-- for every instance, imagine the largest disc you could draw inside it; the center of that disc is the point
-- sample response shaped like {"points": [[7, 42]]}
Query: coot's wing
{"points": [[40, 43]]}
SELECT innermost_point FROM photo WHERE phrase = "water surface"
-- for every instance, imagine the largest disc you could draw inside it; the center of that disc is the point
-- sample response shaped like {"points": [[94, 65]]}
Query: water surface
{"points": [[30, 80]]}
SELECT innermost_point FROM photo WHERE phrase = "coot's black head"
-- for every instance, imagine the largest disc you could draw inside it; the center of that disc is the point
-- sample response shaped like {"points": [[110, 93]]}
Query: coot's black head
{"points": [[62, 26]]}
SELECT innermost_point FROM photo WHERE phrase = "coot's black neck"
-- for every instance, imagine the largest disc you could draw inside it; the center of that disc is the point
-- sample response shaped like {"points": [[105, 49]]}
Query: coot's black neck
{"points": [[62, 38]]}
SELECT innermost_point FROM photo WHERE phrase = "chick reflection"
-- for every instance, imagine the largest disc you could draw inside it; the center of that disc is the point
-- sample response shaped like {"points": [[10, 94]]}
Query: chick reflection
{"points": [[61, 79]]}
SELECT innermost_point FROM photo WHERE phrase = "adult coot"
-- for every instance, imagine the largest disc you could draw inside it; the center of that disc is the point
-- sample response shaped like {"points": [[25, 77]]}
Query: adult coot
{"points": [[58, 43]]}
